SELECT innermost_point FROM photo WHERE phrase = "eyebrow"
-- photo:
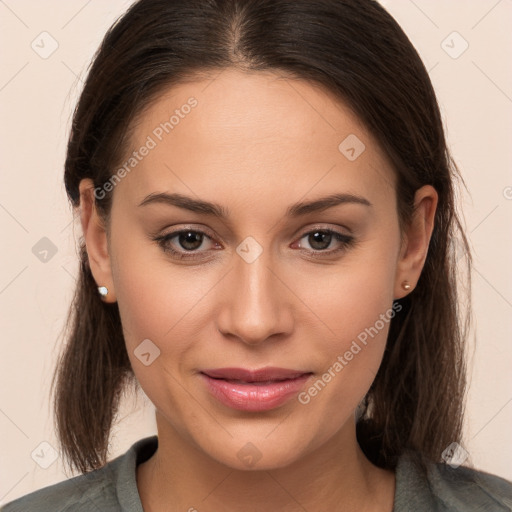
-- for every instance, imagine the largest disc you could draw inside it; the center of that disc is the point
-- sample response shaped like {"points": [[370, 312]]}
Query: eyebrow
{"points": [[217, 210]]}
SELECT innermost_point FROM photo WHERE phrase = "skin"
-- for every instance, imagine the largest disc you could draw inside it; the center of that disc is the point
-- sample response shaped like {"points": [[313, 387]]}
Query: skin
{"points": [[256, 143]]}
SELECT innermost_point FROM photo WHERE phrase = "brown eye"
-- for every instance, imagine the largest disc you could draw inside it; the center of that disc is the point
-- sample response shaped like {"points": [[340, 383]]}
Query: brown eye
{"points": [[320, 239], [183, 244], [190, 240]]}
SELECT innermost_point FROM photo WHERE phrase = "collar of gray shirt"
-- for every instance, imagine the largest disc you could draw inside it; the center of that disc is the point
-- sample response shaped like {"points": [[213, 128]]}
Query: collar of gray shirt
{"points": [[419, 488]]}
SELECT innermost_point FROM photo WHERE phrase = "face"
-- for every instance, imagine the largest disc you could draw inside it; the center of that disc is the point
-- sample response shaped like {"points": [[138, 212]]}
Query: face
{"points": [[272, 282]]}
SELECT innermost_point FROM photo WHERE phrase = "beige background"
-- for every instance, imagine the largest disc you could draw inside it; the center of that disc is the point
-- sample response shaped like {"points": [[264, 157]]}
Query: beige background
{"points": [[36, 100]]}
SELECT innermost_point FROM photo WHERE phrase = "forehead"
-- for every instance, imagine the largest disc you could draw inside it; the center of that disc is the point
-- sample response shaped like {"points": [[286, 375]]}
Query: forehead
{"points": [[263, 132]]}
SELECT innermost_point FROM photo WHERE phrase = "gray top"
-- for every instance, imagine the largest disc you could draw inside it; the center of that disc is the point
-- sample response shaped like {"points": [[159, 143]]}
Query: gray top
{"points": [[113, 488]]}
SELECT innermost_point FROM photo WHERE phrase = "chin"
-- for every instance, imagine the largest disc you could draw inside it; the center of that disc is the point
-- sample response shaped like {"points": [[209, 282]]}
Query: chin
{"points": [[257, 455]]}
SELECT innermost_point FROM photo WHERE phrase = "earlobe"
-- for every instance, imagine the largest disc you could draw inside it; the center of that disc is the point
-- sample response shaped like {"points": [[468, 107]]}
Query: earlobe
{"points": [[414, 250], [95, 237]]}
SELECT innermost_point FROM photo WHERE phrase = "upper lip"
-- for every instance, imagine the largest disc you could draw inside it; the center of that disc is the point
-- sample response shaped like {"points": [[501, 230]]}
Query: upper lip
{"points": [[259, 375]]}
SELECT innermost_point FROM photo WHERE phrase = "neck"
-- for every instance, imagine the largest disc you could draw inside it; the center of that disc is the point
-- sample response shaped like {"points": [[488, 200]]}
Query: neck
{"points": [[336, 476]]}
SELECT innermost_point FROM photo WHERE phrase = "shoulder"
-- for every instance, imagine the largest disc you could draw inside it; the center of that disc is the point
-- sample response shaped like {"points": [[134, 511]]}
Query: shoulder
{"points": [[77, 494], [470, 488], [110, 489], [429, 486]]}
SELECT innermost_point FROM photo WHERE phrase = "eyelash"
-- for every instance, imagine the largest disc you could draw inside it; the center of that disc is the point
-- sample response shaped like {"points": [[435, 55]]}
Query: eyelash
{"points": [[346, 242]]}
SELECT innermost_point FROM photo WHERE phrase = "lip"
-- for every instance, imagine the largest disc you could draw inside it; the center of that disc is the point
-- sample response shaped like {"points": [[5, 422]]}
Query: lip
{"points": [[254, 390]]}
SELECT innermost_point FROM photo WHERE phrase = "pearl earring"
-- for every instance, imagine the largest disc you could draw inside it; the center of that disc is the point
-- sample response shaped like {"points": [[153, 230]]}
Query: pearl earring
{"points": [[103, 290], [406, 285]]}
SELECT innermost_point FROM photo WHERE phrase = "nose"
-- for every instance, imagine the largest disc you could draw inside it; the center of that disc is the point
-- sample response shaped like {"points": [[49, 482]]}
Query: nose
{"points": [[256, 304]]}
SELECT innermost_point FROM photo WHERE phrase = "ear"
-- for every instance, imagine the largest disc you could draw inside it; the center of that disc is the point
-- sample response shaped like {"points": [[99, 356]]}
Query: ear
{"points": [[95, 236], [413, 252]]}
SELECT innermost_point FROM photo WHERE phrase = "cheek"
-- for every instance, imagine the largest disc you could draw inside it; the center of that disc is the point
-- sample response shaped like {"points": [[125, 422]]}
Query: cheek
{"points": [[352, 357], [158, 300], [163, 303], [349, 366], [352, 300], [355, 308], [155, 303]]}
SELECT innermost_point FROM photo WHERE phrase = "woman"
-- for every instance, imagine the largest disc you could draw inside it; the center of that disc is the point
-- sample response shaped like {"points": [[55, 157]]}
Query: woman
{"points": [[267, 202]]}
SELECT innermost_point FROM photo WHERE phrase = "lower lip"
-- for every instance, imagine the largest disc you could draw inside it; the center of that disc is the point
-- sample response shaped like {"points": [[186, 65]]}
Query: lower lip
{"points": [[254, 397]]}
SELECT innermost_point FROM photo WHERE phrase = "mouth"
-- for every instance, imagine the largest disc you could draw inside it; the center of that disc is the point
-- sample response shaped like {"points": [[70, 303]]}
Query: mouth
{"points": [[254, 390], [267, 374]]}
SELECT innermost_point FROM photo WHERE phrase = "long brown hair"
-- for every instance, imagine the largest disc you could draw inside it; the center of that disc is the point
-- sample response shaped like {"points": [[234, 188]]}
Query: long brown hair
{"points": [[357, 51]]}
